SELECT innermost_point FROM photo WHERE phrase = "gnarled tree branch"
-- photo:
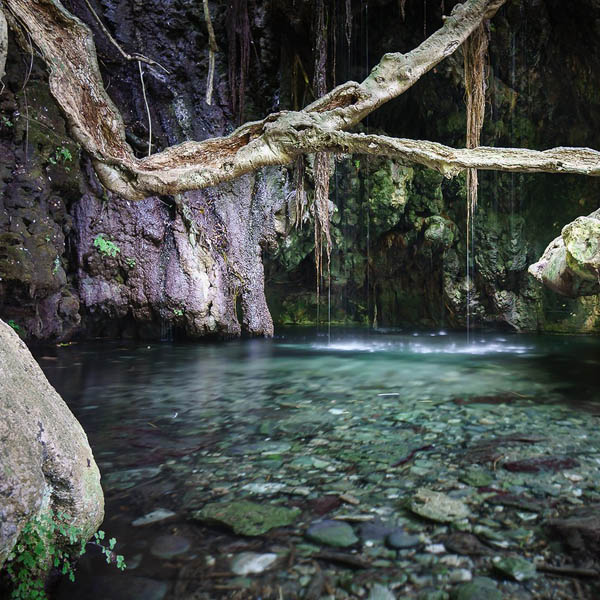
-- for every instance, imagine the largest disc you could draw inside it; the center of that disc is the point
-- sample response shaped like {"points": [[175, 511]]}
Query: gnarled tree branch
{"points": [[68, 48]]}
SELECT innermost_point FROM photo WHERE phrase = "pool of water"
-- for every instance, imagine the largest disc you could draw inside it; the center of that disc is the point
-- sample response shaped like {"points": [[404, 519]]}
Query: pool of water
{"points": [[362, 416]]}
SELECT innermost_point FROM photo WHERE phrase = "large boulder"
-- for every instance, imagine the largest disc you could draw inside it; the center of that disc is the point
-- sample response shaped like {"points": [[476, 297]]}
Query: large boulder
{"points": [[570, 265], [46, 463]]}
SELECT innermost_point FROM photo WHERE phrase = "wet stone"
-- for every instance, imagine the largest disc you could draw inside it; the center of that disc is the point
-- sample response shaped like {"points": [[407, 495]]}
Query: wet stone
{"points": [[481, 588], [168, 546], [262, 448], [437, 506], [124, 480], [434, 595], [380, 592], [477, 478], [160, 514], [247, 518], [399, 539], [264, 489], [514, 567], [251, 562], [375, 531], [332, 533]]}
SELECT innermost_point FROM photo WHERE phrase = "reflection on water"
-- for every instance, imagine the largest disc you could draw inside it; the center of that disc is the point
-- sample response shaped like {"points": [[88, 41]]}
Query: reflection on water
{"points": [[157, 415]]}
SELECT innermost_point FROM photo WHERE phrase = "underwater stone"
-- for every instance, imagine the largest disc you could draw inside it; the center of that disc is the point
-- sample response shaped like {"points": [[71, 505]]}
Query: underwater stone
{"points": [[247, 518], [160, 514], [251, 562], [437, 506], [380, 592], [375, 531], [476, 478], [514, 567], [263, 489], [168, 546], [332, 533], [479, 588], [400, 539]]}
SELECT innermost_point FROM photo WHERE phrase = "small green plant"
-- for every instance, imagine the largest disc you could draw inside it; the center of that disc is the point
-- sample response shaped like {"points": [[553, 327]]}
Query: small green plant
{"points": [[11, 323], [6, 121], [56, 266], [130, 262], [178, 312], [106, 247], [62, 155], [38, 549]]}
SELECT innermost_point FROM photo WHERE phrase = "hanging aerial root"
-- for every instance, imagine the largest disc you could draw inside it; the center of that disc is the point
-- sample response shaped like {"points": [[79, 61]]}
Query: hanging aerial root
{"points": [[475, 50], [212, 51], [300, 196], [3, 44], [321, 168]]}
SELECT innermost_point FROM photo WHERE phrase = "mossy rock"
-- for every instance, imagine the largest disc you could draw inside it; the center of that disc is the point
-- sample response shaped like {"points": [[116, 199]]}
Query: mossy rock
{"points": [[245, 517]]}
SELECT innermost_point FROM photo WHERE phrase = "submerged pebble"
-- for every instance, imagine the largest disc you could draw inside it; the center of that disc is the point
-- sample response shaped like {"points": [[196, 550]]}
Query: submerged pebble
{"points": [[332, 533], [250, 562], [168, 546]]}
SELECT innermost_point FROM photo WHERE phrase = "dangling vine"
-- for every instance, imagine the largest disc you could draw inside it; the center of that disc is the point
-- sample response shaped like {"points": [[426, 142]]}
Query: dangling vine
{"points": [[402, 6]]}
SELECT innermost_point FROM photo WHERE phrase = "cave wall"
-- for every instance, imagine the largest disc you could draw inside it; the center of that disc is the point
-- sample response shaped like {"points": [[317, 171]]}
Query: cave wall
{"points": [[77, 260], [411, 269]]}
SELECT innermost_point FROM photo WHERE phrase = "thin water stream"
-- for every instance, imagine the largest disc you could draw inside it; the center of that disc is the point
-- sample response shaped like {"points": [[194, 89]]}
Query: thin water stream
{"points": [[351, 426]]}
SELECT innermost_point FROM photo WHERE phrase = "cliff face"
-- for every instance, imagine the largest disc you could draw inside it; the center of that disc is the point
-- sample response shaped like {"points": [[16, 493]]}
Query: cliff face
{"points": [[75, 259]]}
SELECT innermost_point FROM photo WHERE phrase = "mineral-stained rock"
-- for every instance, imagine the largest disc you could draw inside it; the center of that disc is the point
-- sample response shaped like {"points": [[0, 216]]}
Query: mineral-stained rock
{"points": [[45, 460], [247, 518], [541, 463], [579, 531]]}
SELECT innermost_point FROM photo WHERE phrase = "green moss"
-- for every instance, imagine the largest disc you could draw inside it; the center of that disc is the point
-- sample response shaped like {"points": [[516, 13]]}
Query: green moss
{"points": [[247, 518], [106, 247]]}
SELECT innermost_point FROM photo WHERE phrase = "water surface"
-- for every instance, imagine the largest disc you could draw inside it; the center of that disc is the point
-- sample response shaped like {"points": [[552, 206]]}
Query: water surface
{"points": [[175, 426]]}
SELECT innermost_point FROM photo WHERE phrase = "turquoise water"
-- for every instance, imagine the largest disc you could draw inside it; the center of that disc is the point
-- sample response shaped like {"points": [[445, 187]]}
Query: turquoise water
{"points": [[174, 426]]}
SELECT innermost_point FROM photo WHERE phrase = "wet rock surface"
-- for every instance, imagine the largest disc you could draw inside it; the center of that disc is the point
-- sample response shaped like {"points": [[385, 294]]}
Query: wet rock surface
{"points": [[384, 433]]}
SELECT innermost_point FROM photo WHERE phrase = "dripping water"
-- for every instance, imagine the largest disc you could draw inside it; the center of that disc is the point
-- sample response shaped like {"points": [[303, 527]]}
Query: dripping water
{"points": [[166, 330], [367, 188]]}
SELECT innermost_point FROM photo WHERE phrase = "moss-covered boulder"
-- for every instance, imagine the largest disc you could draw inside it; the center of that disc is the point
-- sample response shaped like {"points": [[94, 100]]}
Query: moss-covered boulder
{"points": [[571, 263]]}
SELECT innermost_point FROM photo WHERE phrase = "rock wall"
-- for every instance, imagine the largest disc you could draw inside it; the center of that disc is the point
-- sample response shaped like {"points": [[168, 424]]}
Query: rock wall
{"points": [[78, 260], [46, 463]]}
